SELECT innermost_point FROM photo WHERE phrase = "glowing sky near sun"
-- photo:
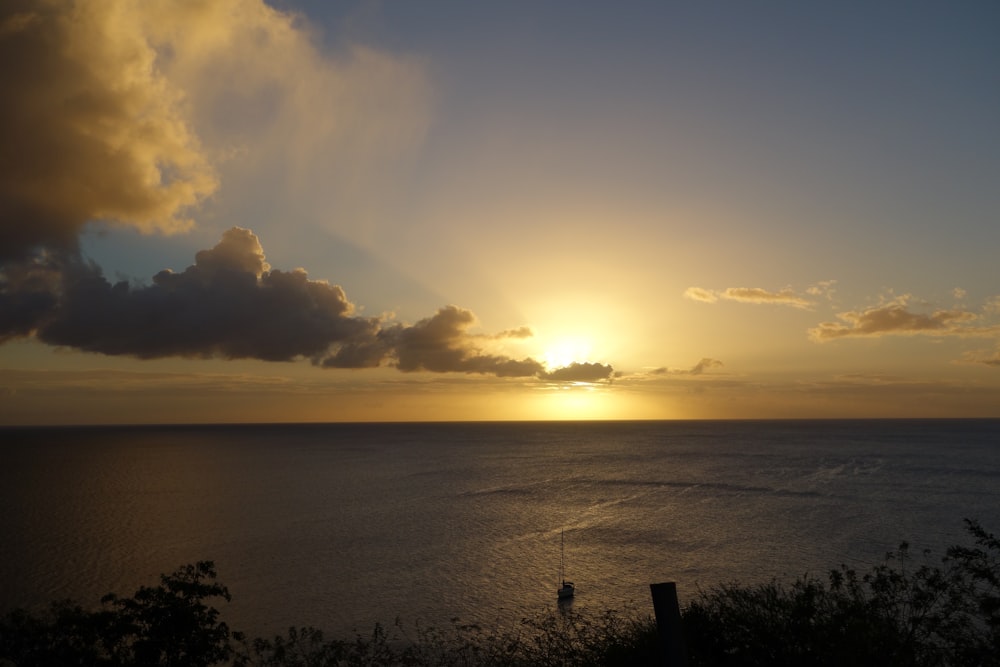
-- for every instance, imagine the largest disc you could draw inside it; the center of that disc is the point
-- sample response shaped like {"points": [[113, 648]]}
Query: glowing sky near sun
{"points": [[231, 210]]}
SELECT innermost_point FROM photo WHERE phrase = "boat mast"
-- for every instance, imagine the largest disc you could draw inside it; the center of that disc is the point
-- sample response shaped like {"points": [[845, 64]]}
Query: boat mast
{"points": [[562, 556], [565, 591]]}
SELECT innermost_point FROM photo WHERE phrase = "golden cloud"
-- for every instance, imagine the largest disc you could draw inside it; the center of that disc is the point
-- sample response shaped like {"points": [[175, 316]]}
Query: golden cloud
{"points": [[130, 111], [91, 128], [896, 319], [700, 294], [785, 297], [986, 358]]}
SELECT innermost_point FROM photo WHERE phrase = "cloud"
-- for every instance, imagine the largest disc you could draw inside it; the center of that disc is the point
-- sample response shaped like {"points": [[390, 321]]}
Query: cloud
{"points": [[131, 112], [896, 319], [823, 288], [871, 379], [785, 297], [441, 344], [28, 292], [106, 380], [318, 129], [757, 295], [703, 365], [986, 358], [228, 304], [231, 304], [699, 368], [580, 372], [91, 129], [520, 332], [700, 294]]}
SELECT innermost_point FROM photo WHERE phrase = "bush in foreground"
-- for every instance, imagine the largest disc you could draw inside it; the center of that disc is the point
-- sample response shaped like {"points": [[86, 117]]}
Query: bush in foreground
{"points": [[169, 625], [564, 638], [896, 614]]}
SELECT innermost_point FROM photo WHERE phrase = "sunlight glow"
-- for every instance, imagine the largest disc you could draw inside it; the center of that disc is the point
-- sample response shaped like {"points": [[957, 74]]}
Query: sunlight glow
{"points": [[579, 401], [565, 351]]}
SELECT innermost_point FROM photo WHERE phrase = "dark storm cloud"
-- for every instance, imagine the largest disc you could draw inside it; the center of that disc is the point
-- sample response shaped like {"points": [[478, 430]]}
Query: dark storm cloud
{"points": [[28, 292], [231, 304], [227, 304], [441, 343]]}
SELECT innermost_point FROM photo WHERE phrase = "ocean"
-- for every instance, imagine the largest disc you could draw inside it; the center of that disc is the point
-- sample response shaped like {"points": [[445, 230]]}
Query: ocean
{"points": [[342, 525]]}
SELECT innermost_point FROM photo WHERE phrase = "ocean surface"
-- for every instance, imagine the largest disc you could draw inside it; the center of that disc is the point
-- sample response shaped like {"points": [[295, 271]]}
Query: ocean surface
{"points": [[342, 525]]}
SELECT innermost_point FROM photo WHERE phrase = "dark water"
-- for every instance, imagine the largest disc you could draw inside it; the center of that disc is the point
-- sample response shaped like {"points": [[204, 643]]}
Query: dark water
{"points": [[341, 525]]}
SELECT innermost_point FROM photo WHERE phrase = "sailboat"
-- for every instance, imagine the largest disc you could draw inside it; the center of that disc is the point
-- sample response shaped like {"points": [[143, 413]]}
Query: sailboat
{"points": [[565, 591]]}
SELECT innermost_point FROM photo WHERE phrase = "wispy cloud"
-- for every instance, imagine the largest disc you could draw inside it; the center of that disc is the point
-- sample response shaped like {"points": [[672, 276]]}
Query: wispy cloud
{"points": [[705, 364], [316, 129], [785, 297], [757, 295], [520, 332], [133, 381], [700, 294], [895, 318], [989, 358], [824, 288]]}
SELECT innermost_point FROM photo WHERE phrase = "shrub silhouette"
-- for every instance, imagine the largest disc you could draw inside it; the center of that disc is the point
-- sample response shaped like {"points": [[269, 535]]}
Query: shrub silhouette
{"points": [[896, 614], [169, 625], [899, 613]]}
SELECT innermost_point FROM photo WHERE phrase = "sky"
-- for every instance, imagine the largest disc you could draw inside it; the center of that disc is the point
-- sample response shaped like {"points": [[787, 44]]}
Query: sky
{"points": [[286, 211]]}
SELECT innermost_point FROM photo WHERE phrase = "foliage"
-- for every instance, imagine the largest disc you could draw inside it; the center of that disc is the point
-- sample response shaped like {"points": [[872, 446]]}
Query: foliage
{"points": [[169, 625], [976, 630], [899, 613], [566, 638], [894, 615]]}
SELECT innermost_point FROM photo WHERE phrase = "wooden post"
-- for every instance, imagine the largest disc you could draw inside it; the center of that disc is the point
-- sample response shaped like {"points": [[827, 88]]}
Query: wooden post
{"points": [[668, 624]]}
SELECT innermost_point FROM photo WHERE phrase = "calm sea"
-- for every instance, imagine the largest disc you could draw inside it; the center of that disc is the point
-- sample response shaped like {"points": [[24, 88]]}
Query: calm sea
{"points": [[339, 526]]}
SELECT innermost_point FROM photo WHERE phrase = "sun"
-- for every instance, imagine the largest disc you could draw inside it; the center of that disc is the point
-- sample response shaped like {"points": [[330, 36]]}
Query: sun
{"points": [[566, 351]]}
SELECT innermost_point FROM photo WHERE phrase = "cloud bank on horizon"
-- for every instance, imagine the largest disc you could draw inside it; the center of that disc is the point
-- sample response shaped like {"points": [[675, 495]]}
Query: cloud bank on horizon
{"points": [[95, 129]]}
